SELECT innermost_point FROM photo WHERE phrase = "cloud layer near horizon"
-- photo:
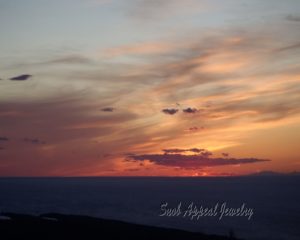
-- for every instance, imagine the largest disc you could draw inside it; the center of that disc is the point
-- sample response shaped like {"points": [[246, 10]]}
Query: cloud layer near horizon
{"points": [[200, 159]]}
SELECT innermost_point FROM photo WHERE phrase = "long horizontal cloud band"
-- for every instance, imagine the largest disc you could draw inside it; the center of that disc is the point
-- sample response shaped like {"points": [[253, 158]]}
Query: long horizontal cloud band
{"points": [[191, 161]]}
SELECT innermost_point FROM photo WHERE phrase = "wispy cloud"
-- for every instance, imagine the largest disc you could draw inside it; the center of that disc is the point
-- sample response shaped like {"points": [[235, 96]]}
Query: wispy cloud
{"points": [[70, 59], [34, 141], [148, 48], [293, 18], [152, 10], [4, 139], [100, 1], [239, 80]]}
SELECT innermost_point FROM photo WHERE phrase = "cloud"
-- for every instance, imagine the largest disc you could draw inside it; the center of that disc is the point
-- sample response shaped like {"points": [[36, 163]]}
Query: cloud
{"points": [[72, 59], [157, 9], [288, 47], [293, 18], [99, 2], [108, 109], [4, 139], [21, 77], [194, 161], [69, 125], [132, 169], [262, 110], [190, 110], [193, 74], [170, 111], [34, 141], [194, 129], [150, 48], [174, 150], [2, 148]]}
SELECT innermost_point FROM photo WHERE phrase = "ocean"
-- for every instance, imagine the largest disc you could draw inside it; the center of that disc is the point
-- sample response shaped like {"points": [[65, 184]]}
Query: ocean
{"points": [[213, 205]]}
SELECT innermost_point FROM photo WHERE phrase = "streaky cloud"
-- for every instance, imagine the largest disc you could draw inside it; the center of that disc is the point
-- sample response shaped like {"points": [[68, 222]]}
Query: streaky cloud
{"points": [[72, 59]]}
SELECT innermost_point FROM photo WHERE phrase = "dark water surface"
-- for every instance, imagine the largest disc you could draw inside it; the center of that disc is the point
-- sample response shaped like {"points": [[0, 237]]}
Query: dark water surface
{"points": [[275, 201]]}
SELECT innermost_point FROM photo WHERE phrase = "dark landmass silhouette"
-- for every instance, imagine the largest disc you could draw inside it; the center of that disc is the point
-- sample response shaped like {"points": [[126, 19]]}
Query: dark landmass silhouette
{"points": [[273, 174], [59, 226]]}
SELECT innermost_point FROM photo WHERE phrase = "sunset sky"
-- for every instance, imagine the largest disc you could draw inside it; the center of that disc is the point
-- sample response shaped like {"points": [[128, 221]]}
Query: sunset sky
{"points": [[149, 87]]}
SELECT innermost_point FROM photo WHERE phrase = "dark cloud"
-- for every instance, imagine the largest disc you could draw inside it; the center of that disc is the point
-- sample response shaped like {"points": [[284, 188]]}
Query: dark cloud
{"points": [[273, 173], [196, 150], [206, 153], [293, 18], [225, 154], [2, 148], [180, 150], [34, 141], [200, 160], [170, 111], [194, 129], [174, 150], [190, 110], [4, 139], [108, 109], [21, 77]]}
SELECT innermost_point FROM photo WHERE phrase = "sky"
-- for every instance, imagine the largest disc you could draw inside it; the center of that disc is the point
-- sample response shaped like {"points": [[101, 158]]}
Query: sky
{"points": [[149, 88]]}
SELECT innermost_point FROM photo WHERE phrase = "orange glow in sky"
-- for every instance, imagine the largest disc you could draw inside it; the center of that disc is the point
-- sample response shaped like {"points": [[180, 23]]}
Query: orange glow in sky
{"points": [[208, 90]]}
